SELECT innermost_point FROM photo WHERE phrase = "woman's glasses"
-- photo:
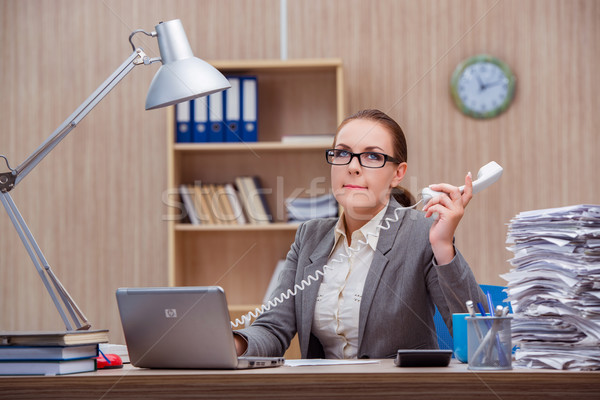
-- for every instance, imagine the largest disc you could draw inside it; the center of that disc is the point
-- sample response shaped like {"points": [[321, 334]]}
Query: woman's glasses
{"points": [[368, 159]]}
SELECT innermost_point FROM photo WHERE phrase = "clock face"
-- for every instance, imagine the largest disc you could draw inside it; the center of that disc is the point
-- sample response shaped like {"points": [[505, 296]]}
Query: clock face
{"points": [[482, 86]]}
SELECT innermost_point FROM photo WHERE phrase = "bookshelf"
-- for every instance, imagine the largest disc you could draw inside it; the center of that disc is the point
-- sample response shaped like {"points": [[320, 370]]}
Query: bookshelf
{"points": [[295, 97]]}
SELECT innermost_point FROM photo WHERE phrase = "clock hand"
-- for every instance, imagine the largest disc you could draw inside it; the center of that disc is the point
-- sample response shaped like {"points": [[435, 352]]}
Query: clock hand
{"points": [[488, 85], [481, 85]]}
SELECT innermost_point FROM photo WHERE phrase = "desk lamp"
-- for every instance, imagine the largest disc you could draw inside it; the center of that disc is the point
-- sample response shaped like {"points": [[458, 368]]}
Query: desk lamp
{"points": [[181, 77]]}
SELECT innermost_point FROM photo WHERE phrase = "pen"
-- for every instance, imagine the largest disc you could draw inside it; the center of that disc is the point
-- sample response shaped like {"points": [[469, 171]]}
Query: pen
{"points": [[470, 308], [481, 310], [472, 314], [499, 311], [490, 303]]}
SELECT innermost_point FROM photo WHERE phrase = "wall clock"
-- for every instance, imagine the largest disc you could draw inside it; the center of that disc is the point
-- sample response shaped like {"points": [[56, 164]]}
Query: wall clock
{"points": [[482, 86]]}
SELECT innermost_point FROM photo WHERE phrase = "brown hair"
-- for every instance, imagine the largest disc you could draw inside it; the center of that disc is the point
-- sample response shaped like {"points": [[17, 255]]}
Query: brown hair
{"points": [[402, 195]]}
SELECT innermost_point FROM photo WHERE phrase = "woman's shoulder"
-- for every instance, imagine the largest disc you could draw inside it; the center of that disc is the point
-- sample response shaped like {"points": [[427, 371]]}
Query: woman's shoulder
{"points": [[314, 226], [312, 232], [419, 218], [420, 223], [398, 212]]}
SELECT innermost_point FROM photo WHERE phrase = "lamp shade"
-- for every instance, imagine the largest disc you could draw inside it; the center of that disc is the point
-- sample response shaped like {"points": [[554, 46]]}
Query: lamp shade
{"points": [[182, 76]]}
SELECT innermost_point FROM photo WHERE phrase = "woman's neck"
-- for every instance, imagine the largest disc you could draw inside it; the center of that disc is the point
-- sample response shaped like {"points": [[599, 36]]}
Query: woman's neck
{"points": [[353, 224]]}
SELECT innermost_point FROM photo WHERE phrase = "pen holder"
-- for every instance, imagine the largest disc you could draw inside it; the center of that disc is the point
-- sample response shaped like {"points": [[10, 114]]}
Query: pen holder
{"points": [[489, 341]]}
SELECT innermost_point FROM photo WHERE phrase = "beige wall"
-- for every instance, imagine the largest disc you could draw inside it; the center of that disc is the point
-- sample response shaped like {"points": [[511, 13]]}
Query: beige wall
{"points": [[95, 205]]}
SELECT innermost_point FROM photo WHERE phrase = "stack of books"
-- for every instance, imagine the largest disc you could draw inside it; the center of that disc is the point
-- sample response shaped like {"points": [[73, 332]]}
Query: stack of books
{"points": [[49, 353], [226, 204], [554, 287], [301, 209]]}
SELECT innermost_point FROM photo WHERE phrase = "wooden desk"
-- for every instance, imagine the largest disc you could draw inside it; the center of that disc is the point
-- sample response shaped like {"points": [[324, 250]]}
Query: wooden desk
{"points": [[380, 380]]}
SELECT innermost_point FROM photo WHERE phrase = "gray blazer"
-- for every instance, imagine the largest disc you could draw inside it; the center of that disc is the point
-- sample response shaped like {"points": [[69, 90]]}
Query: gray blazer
{"points": [[397, 306]]}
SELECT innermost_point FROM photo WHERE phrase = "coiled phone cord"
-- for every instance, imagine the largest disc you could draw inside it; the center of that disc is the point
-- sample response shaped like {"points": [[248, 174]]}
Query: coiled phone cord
{"points": [[245, 319]]}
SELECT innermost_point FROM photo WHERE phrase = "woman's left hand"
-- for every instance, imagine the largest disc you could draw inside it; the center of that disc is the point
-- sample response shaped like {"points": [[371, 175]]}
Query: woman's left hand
{"points": [[450, 209]]}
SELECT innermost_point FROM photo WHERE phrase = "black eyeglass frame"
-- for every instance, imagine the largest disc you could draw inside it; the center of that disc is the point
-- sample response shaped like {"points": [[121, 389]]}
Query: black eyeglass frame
{"points": [[386, 158]]}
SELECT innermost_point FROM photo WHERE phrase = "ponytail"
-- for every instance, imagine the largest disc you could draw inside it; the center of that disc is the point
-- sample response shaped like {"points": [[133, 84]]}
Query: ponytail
{"points": [[403, 196]]}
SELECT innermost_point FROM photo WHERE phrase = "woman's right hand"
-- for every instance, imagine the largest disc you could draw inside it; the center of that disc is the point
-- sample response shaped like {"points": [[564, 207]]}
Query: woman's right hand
{"points": [[241, 345]]}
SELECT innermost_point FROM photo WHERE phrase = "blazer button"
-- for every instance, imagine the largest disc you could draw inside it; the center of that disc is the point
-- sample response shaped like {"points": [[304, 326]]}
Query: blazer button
{"points": [[364, 356]]}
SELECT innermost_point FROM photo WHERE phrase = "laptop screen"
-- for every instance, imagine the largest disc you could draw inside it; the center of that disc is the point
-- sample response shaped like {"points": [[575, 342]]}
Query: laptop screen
{"points": [[177, 327]]}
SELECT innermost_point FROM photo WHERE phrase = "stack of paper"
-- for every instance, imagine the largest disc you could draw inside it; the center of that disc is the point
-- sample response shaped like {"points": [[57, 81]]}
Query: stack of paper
{"points": [[302, 209], [554, 287]]}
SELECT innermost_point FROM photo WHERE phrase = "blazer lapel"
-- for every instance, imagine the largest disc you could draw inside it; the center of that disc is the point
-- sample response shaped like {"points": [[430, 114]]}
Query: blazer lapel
{"points": [[379, 263], [308, 296]]}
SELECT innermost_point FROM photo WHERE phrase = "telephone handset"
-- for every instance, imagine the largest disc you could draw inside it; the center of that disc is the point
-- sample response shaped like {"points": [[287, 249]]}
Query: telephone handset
{"points": [[487, 175]]}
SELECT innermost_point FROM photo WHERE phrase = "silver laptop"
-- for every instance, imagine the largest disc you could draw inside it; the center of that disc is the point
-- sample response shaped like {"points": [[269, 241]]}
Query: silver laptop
{"points": [[181, 327]]}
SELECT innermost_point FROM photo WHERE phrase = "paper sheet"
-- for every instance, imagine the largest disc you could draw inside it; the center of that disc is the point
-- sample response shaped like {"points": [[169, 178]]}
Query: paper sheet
{"points": [[320, 361]]}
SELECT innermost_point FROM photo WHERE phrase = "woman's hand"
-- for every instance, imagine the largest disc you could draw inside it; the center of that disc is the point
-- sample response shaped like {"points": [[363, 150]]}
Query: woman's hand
{"points": [[450, 209], [240, 344]]}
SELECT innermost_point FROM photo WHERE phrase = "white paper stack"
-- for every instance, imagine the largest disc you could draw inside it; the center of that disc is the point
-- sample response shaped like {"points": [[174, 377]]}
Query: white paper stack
{"points": [[304, 208], [554, 287]]}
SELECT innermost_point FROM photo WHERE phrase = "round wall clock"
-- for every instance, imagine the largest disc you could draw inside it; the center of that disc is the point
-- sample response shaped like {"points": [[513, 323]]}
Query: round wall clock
{"points": [[482, 86]]}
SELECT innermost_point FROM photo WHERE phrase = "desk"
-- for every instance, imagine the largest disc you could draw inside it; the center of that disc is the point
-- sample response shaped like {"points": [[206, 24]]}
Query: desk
{"points": [[380, 380]]}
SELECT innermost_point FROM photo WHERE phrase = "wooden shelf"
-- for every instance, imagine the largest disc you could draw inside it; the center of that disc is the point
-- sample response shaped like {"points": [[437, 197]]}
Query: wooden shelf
{"points": [[302, 65], [258, 146], [277, 226]]}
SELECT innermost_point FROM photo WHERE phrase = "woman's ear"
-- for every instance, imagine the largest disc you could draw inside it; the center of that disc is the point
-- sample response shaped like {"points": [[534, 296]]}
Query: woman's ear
{"points": [[400, 172]]}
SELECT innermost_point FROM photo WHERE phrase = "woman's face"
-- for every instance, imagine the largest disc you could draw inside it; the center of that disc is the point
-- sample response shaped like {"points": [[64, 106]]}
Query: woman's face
{"points": [[362, 191]]}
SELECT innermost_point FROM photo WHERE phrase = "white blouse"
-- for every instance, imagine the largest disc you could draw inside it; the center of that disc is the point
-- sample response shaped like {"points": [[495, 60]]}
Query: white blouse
{"points": [[335, 321]]}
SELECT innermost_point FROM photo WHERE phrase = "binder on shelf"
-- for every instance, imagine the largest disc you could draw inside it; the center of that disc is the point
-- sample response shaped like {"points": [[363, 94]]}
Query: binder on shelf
{"points": [[249, 124], [245, 198], [201, 211], [203, 196], [183, 121], [225, 205], [200, 113], [215, 206], [253, 199], [261, 200], [236, 205], [215, 118], [187, 195], [233, 108]]}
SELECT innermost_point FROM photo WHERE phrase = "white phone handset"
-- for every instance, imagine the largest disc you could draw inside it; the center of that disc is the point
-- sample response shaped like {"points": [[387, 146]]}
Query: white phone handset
{"points": [[487, 175]]}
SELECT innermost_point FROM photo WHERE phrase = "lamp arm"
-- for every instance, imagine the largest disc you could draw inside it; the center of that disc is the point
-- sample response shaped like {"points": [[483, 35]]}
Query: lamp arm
{"points": [[64, 303], [136, 58]]}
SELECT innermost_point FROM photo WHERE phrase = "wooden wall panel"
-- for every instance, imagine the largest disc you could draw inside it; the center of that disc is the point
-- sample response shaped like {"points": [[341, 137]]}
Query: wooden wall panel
{"points": [[96, 204], [399, 56]]}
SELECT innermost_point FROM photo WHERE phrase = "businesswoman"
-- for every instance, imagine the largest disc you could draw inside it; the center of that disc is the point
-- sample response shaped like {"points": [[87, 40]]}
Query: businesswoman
{"points": [[379, 288]]}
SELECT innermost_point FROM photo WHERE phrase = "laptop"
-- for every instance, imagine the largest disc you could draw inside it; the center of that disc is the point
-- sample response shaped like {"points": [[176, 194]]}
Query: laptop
{"points": [[181, 327]]}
